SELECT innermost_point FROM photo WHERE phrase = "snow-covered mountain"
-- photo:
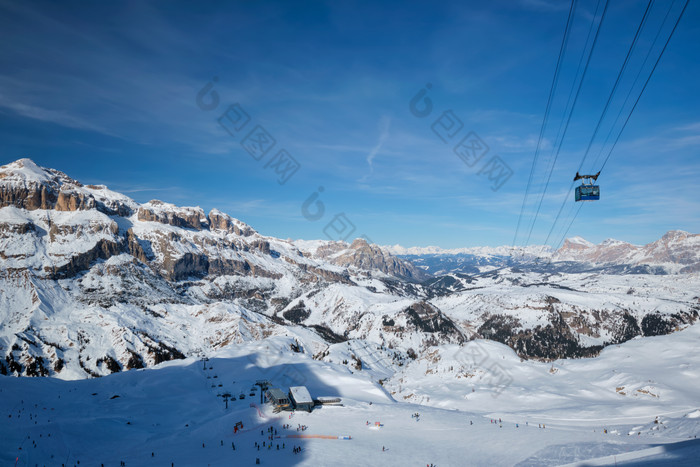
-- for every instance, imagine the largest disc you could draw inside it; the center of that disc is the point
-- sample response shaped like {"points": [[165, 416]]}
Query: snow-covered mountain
{"points": [[92, 282], [675, 252], [362, 255], [532, 251], [201, 306]]}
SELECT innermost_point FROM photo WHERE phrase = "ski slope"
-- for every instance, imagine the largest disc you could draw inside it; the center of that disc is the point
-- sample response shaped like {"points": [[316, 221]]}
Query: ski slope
{"points": [[173, 414]]}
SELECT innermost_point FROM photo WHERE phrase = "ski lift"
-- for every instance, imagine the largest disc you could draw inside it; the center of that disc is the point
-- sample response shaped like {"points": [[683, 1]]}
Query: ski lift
{"points": [[587, 191]]}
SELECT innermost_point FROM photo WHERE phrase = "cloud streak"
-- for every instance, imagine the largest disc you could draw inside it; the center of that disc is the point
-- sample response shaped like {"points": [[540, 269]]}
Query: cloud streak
{"points": [[384, 125], [58, 117]]}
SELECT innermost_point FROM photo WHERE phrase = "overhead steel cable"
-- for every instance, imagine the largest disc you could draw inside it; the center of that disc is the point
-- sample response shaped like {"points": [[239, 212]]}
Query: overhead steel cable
{"points": [[566, 127], [556, 247], [617, 82], [609, 100], [634, 84], [675, 26], [568, 101], [578, 70], [555, 79]]}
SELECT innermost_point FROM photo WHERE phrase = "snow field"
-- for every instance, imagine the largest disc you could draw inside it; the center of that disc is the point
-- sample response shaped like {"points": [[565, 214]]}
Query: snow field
{"points": [[174, 409]]}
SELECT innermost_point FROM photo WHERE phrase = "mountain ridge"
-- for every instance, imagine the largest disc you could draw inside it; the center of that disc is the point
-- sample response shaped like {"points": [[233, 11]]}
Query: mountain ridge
{"points": [[92, 282], [677, 251]]}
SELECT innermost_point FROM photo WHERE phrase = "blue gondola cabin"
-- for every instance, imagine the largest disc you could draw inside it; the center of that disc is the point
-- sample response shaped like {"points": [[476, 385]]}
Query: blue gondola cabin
{"points": [[587, 191]]}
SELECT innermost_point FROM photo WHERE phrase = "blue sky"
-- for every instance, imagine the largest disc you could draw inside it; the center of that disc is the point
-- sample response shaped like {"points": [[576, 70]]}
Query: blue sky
{"points": [[107, 92]]}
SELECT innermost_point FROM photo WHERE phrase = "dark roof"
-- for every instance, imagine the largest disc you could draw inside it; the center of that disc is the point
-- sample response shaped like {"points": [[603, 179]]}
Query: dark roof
{"points": [[277, 394]]}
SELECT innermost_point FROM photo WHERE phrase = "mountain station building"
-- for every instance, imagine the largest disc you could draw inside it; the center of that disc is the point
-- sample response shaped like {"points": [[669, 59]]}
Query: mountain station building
{"points": [[278, 399], [301, 398]]}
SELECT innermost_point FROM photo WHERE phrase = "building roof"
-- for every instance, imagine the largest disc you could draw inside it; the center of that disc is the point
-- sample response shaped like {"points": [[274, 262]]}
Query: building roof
{"points": [[300, 395], [277, 394], [329, 400]]}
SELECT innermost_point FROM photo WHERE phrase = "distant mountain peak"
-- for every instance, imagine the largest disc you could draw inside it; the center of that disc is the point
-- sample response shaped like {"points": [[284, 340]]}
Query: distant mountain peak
{"points": [[578, 241], [677, 251], [26, 171], [505, 250], [676, 234]]}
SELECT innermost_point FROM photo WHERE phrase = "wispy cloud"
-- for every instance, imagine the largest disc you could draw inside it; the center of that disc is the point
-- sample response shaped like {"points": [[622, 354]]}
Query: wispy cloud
{"points": [[122, 80], [694, 127], [544, 5], [147, 189], [59, 117], [384, 125]]}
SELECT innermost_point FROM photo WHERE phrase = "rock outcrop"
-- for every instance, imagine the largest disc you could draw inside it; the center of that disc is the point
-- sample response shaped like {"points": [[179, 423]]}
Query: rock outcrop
{"points": [[361, 255], [25, 185], [220, 221], [169, 214]]}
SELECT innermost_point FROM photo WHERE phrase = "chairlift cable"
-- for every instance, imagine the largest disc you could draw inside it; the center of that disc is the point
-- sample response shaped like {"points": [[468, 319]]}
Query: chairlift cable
{"points": [[556, 247]]}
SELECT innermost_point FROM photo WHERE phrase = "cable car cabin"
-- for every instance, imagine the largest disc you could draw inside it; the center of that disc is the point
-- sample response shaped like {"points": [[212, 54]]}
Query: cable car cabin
{"points": [[587, 191]]}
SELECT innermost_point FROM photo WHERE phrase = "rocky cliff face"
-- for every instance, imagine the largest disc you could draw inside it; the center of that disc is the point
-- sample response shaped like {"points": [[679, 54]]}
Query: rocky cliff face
{"points": [[169, 214], [82, 264], [25, 185], [220, 221]]}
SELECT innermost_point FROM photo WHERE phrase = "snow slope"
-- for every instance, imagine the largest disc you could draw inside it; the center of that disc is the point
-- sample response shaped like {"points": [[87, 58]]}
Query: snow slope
{"points": [[173, 413]]}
